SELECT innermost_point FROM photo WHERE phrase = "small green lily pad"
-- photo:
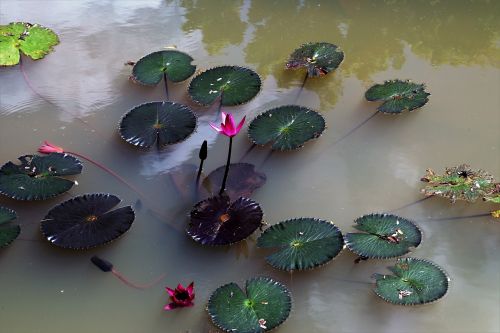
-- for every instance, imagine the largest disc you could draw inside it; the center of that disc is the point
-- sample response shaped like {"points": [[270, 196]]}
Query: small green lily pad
{"points": [[264, 305], [318, 58], [176, 65], [163, 123], [414, 281], [384, 236], [286, 127], [233, 84], [398, 95], [38, 177], [8, 231], [33, 40], [459, 183], [302, 243]]}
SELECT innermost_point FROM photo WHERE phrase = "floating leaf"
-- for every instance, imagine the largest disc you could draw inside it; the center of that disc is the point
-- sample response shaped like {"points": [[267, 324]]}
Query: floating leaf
{"points": [[318, 58], [264, 305], [415, 281], [398, 96], [33, 40], [459, 183], [302, 243], [176, 65], [384, 236], [235, 85], [8, 231], [494, 195], [286, 127], [38, 177], [217, 221], [242, 181], [86, 221], [163, 123]]}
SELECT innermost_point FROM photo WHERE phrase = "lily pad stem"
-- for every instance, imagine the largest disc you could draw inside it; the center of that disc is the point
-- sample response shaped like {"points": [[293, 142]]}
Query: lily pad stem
{"points": [[355, 128], [301, 88], [226, 171], [166, 83], [411, 204], [459, 217]]}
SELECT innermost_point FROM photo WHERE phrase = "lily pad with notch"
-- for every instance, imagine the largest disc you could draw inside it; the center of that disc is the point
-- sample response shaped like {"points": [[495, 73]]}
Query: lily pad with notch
{"points": [[174, 65], [413, 281], [302, 243], [235, 85], [8, 231], [163, 123], [286, 127], [218, 221], [318, 58], [87, 221], [264, 305], [383, 236], [459, 183], [33, 40], [242, 182], [398, 95], [38, 177]]}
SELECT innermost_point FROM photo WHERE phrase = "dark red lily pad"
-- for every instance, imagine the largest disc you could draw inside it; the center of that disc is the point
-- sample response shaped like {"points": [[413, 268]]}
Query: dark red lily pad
{"points": [[242, 180], [218, 221], [86, 221]]}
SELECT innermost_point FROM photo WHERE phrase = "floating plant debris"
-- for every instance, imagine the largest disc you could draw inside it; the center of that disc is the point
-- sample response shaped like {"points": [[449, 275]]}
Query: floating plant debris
{"points": [[318, 58], [38, 177], [86, 221], [286, 127], [383, 236], [233, 84], [398, 96], [414, 281], [171, 64], [180, 297], [163, 123], [8, 231], [33, 40], [218, 221], [459, 183], [302, 243], [243, 180], [264, 305], [106, 266]]}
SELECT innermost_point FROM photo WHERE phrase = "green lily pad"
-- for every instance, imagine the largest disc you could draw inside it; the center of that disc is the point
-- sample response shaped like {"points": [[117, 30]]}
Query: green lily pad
{"points": [[264, 305], [8, 231], [218, 221], [163, 123], [86, 221], [33, 40], [286, 127], [459, 183], [384, 236], [302, 243], [176, 65], [38, 177], [414, 281], [398, 96], [318, 58], [235, 85]]}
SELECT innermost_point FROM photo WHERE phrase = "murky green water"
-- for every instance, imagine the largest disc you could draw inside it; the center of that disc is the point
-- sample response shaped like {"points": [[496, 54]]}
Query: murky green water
{"points": [[452, 46]]}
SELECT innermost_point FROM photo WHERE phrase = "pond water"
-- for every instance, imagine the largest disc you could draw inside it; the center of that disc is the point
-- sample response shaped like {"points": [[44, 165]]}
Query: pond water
{"points": [[83, 91]]}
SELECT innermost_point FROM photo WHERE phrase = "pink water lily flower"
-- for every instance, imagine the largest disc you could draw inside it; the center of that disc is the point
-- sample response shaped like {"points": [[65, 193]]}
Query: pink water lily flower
{"points": [[48, 148], [180, 297], [227, 127]]}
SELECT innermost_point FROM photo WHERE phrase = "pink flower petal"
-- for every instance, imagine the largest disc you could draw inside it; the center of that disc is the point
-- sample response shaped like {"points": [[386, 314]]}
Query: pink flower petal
{"points": [[240, 125], [190, 289], [170, 306], [223, 116], [171, 292], [229, 123], [215, 128]]}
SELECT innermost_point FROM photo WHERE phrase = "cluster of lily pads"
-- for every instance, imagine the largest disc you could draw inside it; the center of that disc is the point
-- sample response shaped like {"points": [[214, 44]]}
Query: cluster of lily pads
{"points": [[227, 214]]}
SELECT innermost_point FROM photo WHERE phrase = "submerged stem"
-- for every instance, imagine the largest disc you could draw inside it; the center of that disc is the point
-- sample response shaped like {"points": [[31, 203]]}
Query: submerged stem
{"points": [[226, 171], [355, 128], [301, 87], [111, 172], [411, 204], [459, 217]]}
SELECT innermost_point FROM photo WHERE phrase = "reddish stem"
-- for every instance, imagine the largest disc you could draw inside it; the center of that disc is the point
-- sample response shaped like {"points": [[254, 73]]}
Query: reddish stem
{"points": [[134, 285], [111, 172]]}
